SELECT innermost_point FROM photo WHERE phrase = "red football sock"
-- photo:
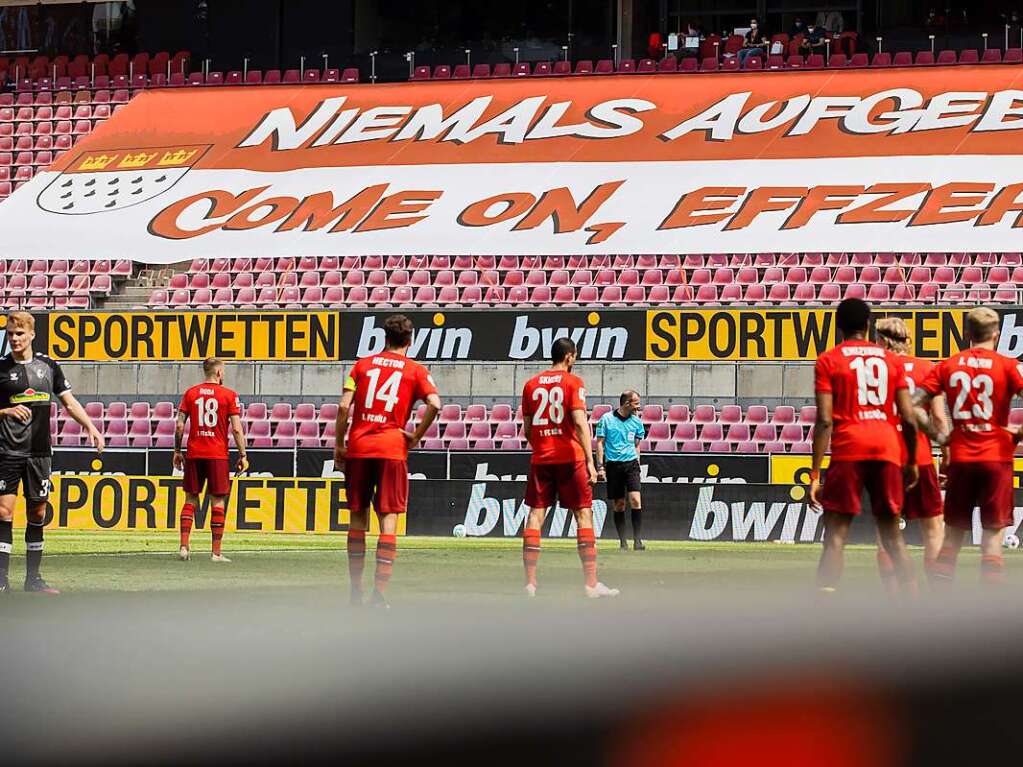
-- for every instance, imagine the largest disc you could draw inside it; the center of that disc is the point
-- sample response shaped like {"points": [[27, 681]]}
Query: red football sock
{"points": [[587, 546], [387, 552], [992, 569], [217, 527], [530, 554], [356, 558], [187, 518], [944, 569], [886, 569]]}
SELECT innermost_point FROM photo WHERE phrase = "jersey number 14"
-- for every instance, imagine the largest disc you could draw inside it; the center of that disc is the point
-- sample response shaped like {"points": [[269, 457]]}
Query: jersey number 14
{"points": [[386, 393]]}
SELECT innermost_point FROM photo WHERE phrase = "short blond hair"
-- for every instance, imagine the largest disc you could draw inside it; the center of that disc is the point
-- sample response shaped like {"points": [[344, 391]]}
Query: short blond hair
{"points": [[22, 320], [982, 323], [893, 333], [210, 365]]}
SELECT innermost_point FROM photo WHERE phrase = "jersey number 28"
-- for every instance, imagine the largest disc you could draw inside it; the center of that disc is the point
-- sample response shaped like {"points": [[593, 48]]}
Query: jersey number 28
{"points": [[550, 406]]}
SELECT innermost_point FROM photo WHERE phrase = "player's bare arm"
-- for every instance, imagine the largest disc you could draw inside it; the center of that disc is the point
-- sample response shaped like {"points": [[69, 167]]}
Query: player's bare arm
{"points": [[341, 427], [77, 412], [924, 412], [527, 426], [582, 430], [179, 436], [239, 442], [821, 439], [433, 405], [601, 473], [904, 404], [18, 412]]}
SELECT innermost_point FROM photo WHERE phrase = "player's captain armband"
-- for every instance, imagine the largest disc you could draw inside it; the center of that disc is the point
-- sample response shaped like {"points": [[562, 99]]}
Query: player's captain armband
{"points": [[349, 384]]}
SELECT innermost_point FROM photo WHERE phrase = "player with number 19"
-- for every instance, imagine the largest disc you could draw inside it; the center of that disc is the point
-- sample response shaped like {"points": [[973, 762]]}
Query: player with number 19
{"points": [[210, 408], [858, 386], [379, 393]]}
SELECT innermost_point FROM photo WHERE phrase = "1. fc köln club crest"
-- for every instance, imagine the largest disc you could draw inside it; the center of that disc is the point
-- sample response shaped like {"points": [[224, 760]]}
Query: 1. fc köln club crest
{"points": [[102, 181]]}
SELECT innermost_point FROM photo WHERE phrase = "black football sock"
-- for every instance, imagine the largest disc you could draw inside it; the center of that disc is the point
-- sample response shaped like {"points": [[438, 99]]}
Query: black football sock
{"points": [[6, 539], [620, 525], [637, 524], [33, 549]]}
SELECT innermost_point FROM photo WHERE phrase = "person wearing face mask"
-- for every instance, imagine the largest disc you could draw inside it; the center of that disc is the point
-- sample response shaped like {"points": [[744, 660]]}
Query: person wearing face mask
{"points": [[755, 43]]}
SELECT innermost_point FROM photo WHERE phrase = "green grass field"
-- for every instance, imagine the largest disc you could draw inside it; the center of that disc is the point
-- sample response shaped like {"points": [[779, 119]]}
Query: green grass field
{"points": [[443, 569]]}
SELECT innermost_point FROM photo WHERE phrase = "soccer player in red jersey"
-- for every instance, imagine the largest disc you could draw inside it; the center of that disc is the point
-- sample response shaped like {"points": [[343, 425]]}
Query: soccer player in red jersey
{"points": [[858, 385], [923, 503], [379, 393], [561, 468], [210, 408], [979, 384]]}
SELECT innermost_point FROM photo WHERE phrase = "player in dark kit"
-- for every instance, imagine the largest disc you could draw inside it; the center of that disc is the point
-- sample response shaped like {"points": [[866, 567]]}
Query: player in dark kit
{"points": [[210, 408], [979, 384], [858, 386], [379, 393], [561, 468], [27, 382]]}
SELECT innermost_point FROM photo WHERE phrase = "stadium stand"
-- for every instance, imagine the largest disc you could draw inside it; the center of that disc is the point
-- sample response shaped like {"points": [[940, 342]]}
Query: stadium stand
{"points": [[709, 428], [572, 281]]}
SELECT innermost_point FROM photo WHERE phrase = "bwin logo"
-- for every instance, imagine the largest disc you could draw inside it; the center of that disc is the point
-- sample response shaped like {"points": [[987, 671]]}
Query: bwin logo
{"points": [[436, 343], [593, 342]]}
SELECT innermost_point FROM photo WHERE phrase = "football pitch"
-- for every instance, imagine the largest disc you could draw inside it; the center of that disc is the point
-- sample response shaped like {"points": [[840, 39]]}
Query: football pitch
{"points": [[435, 569]]}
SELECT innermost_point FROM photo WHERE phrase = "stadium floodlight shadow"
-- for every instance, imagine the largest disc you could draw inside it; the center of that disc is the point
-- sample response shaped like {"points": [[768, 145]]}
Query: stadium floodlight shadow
{"points": [[295, 677]]}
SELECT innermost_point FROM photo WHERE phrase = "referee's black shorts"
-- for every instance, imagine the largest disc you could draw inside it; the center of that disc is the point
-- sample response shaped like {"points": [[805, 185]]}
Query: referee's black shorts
{"points": [[622, 477]]}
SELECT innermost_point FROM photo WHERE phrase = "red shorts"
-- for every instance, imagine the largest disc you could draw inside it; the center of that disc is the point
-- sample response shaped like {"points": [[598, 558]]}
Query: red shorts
{"points": [[924, 500], [382, 482], [987, 484], [211, 473], [568, 483], [846, 480]]}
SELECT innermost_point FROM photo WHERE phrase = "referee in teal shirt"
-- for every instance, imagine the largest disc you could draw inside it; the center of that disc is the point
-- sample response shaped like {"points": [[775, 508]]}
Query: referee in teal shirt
{"points": [[618, 436]]}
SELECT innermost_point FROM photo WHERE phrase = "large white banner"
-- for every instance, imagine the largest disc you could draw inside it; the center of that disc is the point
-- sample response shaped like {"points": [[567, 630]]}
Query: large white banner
{"points": [[891, 160]]}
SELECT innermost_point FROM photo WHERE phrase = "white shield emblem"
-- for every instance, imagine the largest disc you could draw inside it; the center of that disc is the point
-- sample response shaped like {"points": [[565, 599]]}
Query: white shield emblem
{"points": [[98, 182]]}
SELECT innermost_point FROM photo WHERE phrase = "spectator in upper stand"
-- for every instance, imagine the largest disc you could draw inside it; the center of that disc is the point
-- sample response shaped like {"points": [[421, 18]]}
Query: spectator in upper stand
{"points": [[755, 43], [832, 21], [815, 40], [798, 27], [692, 30]]}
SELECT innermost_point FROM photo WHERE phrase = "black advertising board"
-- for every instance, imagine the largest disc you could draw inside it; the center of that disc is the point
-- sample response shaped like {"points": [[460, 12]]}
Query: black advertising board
{"points": [[656, 467], [503, 335], [657, 334], [726, 512]]}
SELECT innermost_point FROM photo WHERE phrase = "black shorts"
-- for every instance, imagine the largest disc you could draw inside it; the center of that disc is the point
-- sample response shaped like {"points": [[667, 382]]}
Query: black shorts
{"points": [[622, 477], [33, 471]]}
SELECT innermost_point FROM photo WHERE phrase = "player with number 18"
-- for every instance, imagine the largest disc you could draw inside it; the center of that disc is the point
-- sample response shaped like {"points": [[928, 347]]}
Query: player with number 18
{"points": [[210, 408]]}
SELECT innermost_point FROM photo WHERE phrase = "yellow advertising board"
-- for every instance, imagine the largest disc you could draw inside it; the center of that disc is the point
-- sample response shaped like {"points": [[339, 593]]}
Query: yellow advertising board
{"points": [[781, 335], [286, 336], [146, 504]]}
